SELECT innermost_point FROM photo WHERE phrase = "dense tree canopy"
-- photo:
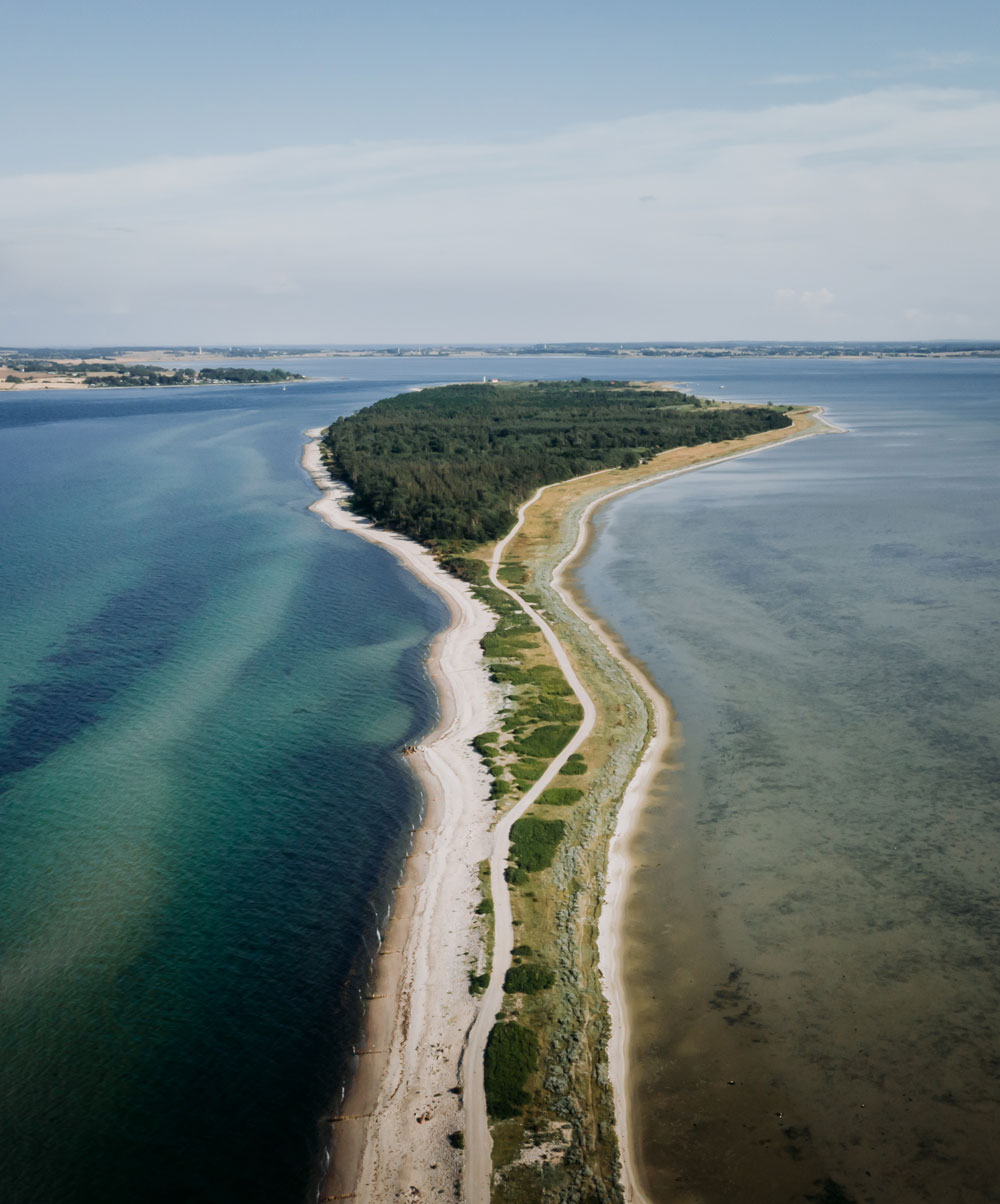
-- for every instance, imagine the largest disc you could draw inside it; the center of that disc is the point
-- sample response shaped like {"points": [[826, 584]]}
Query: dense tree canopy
{"points": [[454, 463]]}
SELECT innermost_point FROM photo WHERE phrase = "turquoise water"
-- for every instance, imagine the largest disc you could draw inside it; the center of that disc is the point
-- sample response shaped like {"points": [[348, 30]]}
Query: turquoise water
{"points": [[203, 688], [824, 618], [202, 694]]}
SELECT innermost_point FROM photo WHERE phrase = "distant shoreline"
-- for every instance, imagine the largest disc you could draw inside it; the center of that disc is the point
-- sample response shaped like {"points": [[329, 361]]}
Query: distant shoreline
{"points": [[26, 372], [43, 384]]}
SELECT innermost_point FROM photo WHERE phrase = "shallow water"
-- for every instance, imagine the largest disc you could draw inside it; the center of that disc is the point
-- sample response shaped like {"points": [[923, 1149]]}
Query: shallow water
{"points": [[815, 932], [202, 692]]}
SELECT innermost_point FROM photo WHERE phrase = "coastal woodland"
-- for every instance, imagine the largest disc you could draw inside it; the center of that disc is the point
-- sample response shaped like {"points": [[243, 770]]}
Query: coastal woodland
{"points": [[451, 465]]}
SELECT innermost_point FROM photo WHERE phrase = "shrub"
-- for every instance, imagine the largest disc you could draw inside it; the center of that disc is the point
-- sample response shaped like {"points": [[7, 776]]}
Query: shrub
{"points": [[573, 768], [511, 1056], [561, 796], [528, 980], [468, 569], [485, 907], [516, 876], [533, 842], [522, 951], [478, 983], [483, 743], [457, 1140], [526, 771], [546, 741], [509, 674], [556, 710], [549, 678], [497, 645]]}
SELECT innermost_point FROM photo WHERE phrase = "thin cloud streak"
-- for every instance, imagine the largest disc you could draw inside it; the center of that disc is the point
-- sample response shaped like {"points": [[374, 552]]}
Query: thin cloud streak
{"points": [[412, 241]]}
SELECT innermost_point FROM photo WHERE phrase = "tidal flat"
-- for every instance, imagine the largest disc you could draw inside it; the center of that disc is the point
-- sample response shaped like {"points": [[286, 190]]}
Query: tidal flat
{"points": [[814, 924]]}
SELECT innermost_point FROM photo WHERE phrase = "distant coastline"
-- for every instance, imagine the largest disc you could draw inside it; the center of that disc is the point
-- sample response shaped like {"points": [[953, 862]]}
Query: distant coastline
{"points": [[22, 373], [873, 349]]}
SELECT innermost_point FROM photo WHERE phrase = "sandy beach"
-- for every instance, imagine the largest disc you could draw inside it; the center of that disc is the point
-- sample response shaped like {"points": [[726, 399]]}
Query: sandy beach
{"points": [[402, 1103]]}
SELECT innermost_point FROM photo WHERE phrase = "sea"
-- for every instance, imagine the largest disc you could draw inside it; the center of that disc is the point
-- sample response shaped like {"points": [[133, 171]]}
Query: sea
{"points": [[203, 696]]}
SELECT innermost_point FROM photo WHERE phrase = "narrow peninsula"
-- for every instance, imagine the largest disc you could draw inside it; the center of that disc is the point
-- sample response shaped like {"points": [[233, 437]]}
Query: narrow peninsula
{"points": [[517, 1091]]}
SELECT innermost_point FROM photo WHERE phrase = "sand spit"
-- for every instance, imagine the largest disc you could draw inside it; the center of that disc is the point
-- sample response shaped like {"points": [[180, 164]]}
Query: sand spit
{"points": [[392, 1142]]}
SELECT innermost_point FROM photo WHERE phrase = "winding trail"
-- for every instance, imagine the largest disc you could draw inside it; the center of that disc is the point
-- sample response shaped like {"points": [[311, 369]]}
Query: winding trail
{"points": [[478, 1143]]}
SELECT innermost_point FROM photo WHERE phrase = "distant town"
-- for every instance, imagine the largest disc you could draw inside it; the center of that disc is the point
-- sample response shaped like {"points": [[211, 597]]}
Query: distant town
{"points": [[11, 358]]}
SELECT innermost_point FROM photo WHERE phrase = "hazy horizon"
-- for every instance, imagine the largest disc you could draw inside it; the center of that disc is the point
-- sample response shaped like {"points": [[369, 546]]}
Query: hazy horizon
{"points": [[402, 176]]}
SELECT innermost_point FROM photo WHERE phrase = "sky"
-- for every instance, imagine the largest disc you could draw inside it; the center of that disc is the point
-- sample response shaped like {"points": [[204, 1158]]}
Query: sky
{"points": [[445, 172]]}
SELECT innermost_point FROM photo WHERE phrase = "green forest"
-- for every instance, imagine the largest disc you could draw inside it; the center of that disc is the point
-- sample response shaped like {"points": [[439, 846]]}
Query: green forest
{"points": [[452, 464]]}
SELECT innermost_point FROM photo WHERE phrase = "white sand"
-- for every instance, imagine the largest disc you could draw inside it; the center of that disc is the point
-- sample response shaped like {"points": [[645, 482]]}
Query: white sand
{"points": [[405, 1153]]}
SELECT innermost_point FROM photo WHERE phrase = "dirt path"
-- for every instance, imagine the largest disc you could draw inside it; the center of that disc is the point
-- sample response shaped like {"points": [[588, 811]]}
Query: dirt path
{"points": [[478, 1143]]}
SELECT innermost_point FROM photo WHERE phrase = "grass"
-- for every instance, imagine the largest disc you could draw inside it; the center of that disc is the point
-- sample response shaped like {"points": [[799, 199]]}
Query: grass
{"points": [[546, 741], [526, 771]]}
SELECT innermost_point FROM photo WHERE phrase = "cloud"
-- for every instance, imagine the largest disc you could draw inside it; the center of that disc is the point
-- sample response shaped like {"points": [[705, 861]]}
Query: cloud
{"points": [[909, 62], [759, 216], [816, 303]]}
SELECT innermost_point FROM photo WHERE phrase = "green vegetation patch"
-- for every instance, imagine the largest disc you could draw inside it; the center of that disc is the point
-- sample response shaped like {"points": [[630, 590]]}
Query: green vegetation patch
{"points": [[549, 679], [511, 1056], [451, 465], [561, 796], [574, 768], [545, 741], [533, 842], [528, 980], [485, 743], [513, 573], [557, 710], [526, 771]]}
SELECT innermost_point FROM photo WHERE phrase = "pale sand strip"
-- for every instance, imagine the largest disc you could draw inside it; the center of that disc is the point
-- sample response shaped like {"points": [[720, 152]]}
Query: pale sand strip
{"points": [[403, 1094]]}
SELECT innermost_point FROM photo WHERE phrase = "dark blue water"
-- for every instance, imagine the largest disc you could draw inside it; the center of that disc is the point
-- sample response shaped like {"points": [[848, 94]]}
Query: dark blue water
{"points": [[824, 617]]}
